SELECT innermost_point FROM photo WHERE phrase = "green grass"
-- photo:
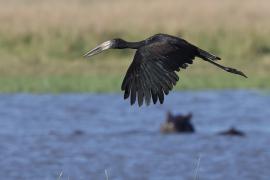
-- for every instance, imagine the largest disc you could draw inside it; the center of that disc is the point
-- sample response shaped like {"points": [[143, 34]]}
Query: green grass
{"points": [[53, 62], [58, 84]]}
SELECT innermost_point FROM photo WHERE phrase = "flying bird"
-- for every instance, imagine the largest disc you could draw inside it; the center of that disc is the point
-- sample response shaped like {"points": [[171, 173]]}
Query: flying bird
{"points": [[152, 72]]}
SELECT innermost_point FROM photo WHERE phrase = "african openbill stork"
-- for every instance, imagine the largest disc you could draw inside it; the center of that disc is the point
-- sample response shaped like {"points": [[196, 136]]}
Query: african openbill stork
{"points": [[152, 71]]}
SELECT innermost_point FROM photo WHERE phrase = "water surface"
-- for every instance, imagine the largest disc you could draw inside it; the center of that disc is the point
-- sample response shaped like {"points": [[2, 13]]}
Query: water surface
{"points": [[81, 135]]}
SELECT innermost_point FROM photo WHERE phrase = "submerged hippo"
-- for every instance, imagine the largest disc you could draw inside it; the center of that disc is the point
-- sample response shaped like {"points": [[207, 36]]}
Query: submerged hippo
{"points": [[232, 132], [178, 123]]}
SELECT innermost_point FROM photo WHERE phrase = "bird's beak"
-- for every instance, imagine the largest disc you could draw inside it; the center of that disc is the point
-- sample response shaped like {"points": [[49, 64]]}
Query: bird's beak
{"points": [[99, 49]]}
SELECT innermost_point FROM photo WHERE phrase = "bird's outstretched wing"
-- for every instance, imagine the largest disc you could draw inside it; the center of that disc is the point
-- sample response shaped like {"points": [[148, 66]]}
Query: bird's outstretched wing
{"points": [[152, 72]]}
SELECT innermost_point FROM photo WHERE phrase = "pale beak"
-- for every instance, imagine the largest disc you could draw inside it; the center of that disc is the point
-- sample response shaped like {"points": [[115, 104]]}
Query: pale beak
{"points": [[99, 49]]}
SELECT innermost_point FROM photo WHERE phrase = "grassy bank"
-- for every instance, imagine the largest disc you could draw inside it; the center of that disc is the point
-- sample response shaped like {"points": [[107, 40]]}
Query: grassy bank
{"points": [[58, 84], [41, 45]]}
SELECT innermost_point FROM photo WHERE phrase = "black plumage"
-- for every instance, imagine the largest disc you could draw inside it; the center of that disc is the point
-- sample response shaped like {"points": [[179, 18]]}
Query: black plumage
{"points": [[152, 73]]}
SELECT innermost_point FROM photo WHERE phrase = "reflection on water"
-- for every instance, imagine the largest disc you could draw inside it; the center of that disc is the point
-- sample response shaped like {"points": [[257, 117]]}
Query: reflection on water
{"points": [[81, 135]]}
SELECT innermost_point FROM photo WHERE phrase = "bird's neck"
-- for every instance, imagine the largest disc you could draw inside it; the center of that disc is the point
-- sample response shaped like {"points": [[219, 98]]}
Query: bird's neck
{"points": [[132, 45]]}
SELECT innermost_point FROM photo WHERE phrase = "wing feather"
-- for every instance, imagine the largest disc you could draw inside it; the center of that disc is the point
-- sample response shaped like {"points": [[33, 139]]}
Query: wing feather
{"points": [[152, 72]]}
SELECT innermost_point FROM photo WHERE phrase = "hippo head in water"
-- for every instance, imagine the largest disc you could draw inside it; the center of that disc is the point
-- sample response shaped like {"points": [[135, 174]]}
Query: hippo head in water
{"points": [[178, 123]]}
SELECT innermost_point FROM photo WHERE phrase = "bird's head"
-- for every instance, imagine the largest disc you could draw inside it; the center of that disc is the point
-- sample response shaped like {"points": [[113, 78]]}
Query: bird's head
{"points": [[111, 44]]}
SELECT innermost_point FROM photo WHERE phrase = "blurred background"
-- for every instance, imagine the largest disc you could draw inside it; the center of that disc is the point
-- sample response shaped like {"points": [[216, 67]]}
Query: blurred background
{"points": [[62, 113]]}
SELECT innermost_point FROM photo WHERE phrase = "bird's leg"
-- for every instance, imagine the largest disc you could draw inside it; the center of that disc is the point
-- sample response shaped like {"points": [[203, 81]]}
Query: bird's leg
{"points": [[228, 69]]}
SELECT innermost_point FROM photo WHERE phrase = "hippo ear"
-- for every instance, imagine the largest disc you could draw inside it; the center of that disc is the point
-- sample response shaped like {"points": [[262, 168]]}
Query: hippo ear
{"points": [[169, 116], [189, 116]]}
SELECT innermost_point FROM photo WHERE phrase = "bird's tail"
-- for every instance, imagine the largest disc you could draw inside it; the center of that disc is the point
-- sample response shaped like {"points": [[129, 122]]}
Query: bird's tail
{"points": [[207, 56]]}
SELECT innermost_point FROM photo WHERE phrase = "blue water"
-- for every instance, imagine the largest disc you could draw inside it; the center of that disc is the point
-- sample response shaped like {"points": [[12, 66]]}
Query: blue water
{"points": [[82, 135]]}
